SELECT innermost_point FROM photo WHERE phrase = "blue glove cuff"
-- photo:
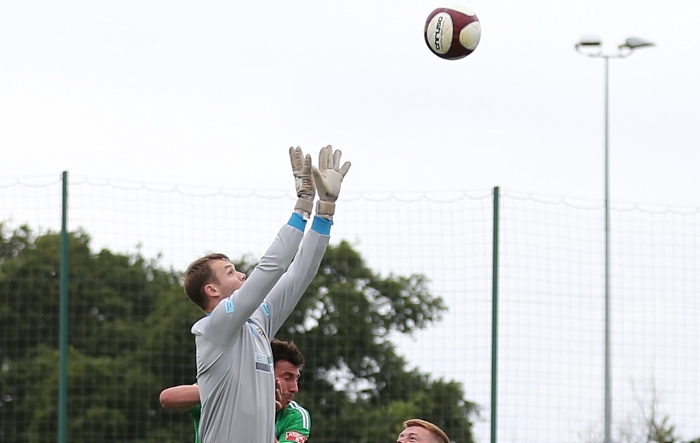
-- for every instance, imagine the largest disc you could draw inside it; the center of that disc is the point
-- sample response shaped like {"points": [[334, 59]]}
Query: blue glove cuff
{"points": [[321, 225], [297, 221]]}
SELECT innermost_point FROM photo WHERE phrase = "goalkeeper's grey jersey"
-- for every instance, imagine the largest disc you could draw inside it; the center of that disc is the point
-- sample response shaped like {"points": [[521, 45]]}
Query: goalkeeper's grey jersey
{"points": [[235, 369]]}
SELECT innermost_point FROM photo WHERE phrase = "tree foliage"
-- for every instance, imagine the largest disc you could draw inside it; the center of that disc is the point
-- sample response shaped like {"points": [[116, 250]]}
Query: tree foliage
{"points": [[129, 337], [353, 373], [649, 425]]}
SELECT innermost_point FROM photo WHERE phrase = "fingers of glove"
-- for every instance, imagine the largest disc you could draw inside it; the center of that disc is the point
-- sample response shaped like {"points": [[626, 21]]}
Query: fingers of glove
{"points": [[292, 157], [325, 158], [297, 158], [307, 164], [345, 168], [336, 159]]}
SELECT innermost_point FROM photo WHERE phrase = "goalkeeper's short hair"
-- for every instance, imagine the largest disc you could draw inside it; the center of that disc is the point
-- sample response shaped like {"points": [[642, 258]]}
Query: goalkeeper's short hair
{"points": [[198, 275]]}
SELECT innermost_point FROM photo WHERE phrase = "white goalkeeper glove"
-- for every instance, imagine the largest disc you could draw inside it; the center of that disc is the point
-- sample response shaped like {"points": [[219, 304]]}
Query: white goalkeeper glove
{"points": [[328, 177], [306, 190]]}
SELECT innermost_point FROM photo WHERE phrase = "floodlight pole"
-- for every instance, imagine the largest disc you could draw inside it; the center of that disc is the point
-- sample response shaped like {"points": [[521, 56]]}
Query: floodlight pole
{"points": [[623, 50], [608, 372]]}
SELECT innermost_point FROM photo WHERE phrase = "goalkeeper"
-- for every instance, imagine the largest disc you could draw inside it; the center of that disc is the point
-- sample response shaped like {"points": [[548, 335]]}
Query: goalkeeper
{"points": [[234, 359]]}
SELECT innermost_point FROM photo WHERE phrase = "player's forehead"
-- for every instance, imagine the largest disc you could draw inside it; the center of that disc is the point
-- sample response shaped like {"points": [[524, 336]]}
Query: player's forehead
{"points": [[221, 264], [418, 432], [283, 367]]}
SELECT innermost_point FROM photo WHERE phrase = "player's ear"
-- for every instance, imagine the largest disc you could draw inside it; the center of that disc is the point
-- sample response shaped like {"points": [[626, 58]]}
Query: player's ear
{"points": [[210, 290]]}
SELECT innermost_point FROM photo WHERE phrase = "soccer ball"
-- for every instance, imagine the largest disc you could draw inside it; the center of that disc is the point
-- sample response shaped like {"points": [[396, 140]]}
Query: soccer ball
{"points": [[452, 32]]}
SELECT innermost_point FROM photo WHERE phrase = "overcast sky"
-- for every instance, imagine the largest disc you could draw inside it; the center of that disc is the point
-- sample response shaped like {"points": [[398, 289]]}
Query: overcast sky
{"points": [[213, 93]]}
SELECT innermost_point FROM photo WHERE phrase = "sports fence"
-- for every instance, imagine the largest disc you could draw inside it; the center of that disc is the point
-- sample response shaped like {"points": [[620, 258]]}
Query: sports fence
{"points": [[550, 331]]}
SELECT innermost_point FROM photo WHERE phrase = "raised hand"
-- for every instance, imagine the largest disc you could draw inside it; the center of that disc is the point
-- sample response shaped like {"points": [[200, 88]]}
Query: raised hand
{"points": [[306, 190], [328, 177]]}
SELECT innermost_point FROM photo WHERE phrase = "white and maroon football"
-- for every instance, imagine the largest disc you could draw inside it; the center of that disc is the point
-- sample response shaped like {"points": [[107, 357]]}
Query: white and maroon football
{"points": [[452, 32]]}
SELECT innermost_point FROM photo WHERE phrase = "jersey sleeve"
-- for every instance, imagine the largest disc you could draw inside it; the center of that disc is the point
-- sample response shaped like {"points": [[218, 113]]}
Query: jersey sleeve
{"points": [[232, 313], [285, 295]]}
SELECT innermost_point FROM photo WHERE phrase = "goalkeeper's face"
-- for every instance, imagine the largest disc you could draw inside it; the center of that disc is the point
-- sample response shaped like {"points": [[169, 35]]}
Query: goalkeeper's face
{"points": [[226, 278]]}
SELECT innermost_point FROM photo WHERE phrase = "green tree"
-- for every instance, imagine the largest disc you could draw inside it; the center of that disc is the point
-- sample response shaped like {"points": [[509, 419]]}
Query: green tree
{"points": [[112, 393], [129, 337], [357, 386], [649, 425]]}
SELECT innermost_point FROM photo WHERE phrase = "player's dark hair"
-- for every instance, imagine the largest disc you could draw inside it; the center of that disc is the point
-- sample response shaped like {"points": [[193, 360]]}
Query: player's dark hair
{"points": [[198, 275], [287, 351]]}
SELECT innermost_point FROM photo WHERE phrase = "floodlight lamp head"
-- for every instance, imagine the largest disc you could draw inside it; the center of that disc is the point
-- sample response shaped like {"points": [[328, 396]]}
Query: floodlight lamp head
{"points": [[634, 43], [590, 41], [589, 45]]}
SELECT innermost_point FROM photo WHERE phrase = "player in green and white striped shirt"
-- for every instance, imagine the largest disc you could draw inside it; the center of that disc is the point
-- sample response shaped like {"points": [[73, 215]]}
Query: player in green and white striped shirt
{"points": [[292, 421]]}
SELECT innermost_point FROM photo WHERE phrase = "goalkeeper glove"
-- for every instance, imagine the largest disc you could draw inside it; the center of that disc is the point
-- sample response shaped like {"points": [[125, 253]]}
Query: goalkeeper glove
{"points": [[306, 190], [328, 177]]}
